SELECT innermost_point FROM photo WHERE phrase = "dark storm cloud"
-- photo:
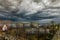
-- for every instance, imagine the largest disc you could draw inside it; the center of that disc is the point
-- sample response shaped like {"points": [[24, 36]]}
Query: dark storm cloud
{"points": [[30, 10]]}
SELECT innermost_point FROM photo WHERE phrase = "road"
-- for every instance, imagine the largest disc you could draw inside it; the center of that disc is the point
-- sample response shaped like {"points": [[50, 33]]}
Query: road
{"points": [[57, 35]]}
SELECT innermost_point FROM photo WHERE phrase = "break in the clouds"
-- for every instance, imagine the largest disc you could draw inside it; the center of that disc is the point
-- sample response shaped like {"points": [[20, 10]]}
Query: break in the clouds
{"points": [[42, 11]]}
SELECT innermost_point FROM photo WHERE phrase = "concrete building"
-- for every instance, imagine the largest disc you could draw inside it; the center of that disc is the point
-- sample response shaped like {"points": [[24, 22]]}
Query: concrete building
{"points": [[31, 30], [4, 28], [34, 25], [27, 25]]}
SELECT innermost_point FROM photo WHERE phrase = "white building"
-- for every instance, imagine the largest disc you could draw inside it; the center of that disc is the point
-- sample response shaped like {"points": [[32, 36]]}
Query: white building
{"points": [[4, 28]]}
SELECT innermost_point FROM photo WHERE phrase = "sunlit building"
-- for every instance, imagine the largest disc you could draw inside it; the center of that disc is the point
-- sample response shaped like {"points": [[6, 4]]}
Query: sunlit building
{"points": [[27, 25], [34, 24], [41, 30], [20, 24], [31, 30], [4, 28]]}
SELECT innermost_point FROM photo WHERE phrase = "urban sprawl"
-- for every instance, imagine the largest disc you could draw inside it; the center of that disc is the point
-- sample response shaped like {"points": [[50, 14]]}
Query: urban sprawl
{"points": [[27, 31]]}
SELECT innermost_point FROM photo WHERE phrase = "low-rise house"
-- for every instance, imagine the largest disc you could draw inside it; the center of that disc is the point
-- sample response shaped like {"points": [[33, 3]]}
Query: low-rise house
{"points": [[34, 25], [31, 30], [20, 25], [27, 25], [41, 30]]}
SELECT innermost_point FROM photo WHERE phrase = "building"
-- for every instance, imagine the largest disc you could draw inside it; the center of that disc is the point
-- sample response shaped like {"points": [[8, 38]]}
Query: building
{"points": [[34, 25], [27, 25], [19, 25], [31, 30], [4, 28], [41, 30]]}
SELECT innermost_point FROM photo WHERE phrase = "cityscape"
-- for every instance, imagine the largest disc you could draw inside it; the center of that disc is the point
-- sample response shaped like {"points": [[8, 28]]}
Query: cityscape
{"points": [[28, 31], [29, 19]]}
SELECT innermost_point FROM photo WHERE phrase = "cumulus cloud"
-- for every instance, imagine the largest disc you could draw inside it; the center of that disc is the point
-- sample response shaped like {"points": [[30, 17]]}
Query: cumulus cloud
{"points": [[30, 10]]}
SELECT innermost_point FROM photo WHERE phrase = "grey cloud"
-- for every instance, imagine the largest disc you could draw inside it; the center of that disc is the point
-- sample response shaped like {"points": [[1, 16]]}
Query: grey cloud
{"points": [[30, 10]]}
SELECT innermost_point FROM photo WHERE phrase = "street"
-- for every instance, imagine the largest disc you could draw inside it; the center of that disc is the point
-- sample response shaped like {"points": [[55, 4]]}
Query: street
{"points": [[57, 35]]}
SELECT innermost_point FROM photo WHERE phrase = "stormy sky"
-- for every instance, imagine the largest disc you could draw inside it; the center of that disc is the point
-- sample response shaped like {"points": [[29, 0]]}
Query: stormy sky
{"points": [[42, 11]]}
